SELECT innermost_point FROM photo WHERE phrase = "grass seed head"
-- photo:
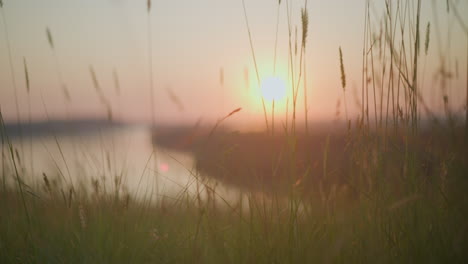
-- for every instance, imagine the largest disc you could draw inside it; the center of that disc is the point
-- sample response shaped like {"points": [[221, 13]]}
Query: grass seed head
{"points": [[246, 77], [343, 76], [49, 38], [66, 93], [46, 183], [94, 78], [26, 75], [295, 42], [82, 216], [100, 93], [305, 26], [175, 99], [116, 81], [221, 76], [428, 36]]}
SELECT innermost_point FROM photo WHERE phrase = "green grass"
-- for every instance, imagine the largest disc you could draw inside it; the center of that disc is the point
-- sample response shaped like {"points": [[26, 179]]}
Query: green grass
{"points": [[393, 208], [379, 227]]}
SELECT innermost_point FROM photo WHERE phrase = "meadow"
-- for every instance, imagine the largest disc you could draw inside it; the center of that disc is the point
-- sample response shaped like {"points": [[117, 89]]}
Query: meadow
{"points": [[387, 185]]}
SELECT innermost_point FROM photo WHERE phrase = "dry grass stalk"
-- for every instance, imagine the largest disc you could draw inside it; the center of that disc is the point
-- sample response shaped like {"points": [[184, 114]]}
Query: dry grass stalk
{"points": [[18, 179], [12, 73], [100, 93], [224, 118], [150, 64], [62, 84], [175, 99], [28, 89]]}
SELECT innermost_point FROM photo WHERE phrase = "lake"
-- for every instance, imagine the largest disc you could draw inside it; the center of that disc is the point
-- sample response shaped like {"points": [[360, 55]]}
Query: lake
{"points": [[112, 159]]}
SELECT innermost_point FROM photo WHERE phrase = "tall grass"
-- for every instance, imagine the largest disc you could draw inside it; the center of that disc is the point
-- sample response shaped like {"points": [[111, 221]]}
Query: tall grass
{"points": [[3, 160], [305, 30], [115, 77], [397, 196], [61, 82], [151, 83], [28, 89], [343, 82], [150, 63], [12, 73], [276, 36], [255, 62], [102, 98], [14, 160]]}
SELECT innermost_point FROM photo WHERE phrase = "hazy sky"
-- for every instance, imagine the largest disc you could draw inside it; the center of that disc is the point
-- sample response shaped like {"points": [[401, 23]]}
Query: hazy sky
{"points": [[191, 42]]}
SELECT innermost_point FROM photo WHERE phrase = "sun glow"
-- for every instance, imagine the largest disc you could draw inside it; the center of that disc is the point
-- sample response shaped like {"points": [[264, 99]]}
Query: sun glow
{"points": [[273, 88]]}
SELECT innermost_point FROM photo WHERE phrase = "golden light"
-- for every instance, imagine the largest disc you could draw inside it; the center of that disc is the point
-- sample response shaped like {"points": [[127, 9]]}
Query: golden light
{"points": [[273, 88]]}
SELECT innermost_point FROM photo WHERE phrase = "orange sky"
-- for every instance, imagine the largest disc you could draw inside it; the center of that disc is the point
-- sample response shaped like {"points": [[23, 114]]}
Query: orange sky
{"points": [[191, 42]]}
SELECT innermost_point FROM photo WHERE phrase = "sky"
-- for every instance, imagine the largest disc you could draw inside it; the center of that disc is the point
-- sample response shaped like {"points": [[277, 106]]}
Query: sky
{"points": [[192, 42]]}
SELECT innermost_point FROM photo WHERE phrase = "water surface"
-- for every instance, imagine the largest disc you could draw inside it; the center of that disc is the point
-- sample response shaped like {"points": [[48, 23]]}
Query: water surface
{"points": [[113, 159]]}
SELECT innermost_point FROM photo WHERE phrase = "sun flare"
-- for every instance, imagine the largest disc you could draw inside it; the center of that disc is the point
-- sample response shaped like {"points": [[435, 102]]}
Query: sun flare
{"points": [[273, 88]]}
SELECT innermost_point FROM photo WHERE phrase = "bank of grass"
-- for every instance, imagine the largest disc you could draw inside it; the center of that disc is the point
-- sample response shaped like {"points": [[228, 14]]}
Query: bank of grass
{"points": [[421, 224], [391, 207]]}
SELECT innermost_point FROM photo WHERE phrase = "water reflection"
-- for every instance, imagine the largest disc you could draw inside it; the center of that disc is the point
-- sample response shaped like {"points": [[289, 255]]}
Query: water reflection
{"points": [[115, 160]]}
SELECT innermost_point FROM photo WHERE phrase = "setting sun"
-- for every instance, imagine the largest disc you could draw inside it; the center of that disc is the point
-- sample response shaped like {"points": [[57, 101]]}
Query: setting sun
{"points": [[273, 88]]}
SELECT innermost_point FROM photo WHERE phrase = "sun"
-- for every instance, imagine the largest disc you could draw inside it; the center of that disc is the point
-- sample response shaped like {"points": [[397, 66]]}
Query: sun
{"points": [[273, 88]]}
